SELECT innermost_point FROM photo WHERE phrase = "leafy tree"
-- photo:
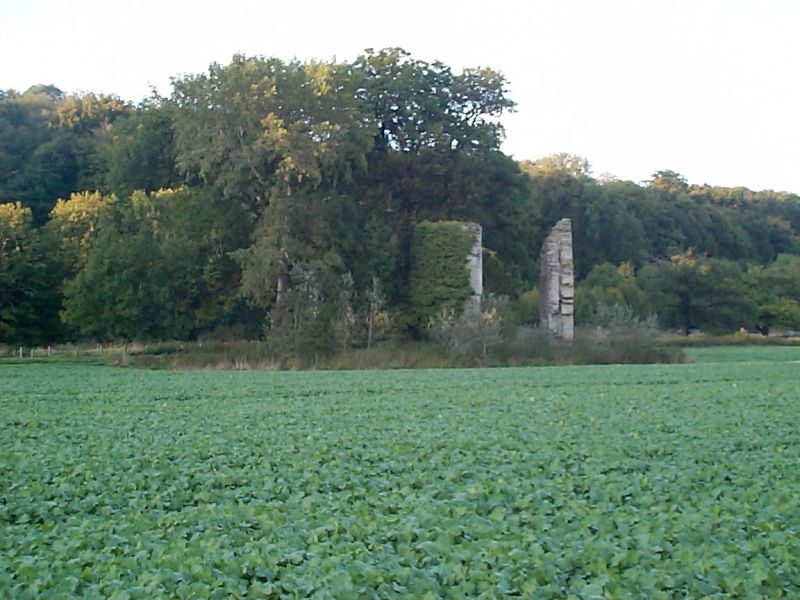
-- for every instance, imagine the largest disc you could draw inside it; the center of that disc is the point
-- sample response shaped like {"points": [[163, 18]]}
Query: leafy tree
{"points": [[28, 292], [605, 286], [418, 105], [25, 130], [374, 256], [302, 325], [776, 291], [72, 228], [695, 292], [753, 226], [275, 138], [561, 163], [782, 277], [668, 181], [88, 113], [781, 312], [117, 294], [527, 307], [156, 270], [260, 128], [24, 126], [292, 234], [81, 124], [139, 152], [48, 144]]}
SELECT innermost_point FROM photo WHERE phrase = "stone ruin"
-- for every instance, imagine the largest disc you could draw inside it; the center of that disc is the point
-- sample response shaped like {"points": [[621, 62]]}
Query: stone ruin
{"points": [[557, 283], [475, 266]]}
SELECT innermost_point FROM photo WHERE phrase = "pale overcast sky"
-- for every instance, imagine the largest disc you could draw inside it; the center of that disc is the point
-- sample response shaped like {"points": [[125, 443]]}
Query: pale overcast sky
{"points": [[708, 88]]}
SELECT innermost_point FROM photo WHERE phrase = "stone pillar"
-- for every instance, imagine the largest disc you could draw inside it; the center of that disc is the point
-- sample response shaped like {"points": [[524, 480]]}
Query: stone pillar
{"points": [[557, 283], [475, 265]]}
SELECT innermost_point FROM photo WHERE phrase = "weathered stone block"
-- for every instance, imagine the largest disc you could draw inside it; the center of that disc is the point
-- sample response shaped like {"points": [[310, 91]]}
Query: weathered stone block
{"points": [[557, 283], [475, 265]]}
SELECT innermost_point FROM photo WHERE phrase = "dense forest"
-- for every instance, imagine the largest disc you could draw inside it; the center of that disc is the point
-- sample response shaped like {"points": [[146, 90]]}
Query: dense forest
{"points": [[279, 200]]}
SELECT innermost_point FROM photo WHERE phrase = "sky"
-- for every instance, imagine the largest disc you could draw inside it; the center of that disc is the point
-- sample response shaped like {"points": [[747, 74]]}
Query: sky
{"points": [[707, 88]]}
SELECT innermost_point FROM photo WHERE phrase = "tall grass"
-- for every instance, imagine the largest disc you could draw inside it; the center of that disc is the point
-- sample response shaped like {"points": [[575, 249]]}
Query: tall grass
{"points": [[700, 340], [528, 347], [590, 346]]}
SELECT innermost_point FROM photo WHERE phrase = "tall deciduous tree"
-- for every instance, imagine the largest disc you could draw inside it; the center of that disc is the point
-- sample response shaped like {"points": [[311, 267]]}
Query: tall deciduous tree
{"points": [[275, 138], [261, 127], [48, 144], [694, 292], [435, 158], [607, 286], [416, 104], [25, 129], [72, 227], [29, 298], [157, 269], [139, 151], [776, 291]]}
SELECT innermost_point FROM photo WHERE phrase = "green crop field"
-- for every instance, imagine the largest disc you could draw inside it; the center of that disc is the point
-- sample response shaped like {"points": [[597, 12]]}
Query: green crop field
{"points": [[663, 481]]}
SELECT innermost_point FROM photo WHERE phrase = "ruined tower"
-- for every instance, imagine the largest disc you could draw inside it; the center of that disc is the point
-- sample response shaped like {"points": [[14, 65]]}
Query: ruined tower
{"points": [[557, 283], [475, 265]]}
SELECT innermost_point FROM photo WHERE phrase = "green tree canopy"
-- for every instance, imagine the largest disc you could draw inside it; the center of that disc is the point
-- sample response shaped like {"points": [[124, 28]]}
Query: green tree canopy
{"points": [[262, 127], [28, 292], [156, 269], [694, 292], [416, 104], [139, 152]]}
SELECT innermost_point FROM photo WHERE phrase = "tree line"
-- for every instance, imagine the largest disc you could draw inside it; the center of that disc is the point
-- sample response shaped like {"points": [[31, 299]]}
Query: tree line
{"points": [[279, 200]]}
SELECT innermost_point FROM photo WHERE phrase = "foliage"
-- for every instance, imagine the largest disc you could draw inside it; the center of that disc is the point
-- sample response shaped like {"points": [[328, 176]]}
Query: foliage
{"points": [[776, 290], [139, 152], [28, 291], [49, 144], [419, 105], [258, 128], [153, 270], [607, 286], [783, 313], [24, 133], [473, 331], [439, 276], [621, 319], [72, 228], [476, 483], [691, 292], [527, 307], [621, 221], [378, 320], [346, 321], [300, 326], [329, 167], [564, 163], [292, 233]]}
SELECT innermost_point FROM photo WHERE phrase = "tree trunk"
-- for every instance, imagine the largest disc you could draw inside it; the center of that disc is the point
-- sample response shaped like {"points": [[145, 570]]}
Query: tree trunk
{"points": [[370, 319]]}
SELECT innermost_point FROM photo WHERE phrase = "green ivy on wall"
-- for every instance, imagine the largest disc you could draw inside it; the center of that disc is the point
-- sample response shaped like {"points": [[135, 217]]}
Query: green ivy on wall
{"points": [[439, 274]]}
